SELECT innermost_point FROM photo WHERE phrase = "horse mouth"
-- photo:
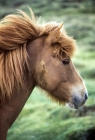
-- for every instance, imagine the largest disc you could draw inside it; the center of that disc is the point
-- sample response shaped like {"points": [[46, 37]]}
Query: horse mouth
{"points": [[73, 105]]}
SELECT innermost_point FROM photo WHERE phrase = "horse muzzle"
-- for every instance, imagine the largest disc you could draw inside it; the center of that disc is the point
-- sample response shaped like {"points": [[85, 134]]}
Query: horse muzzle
{"points": [[76, 101]]}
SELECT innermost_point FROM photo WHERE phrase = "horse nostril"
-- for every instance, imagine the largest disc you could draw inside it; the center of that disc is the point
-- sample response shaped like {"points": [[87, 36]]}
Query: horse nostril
{"points": [[86, 96], [75, 99], [76, 102]]}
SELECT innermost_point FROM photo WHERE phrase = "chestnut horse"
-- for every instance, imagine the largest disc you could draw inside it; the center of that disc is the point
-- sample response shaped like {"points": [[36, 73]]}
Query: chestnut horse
{"points": [[32, 55]]}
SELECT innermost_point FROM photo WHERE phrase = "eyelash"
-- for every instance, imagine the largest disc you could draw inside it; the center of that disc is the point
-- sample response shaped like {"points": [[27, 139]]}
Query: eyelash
{"points": [[65, 61]]}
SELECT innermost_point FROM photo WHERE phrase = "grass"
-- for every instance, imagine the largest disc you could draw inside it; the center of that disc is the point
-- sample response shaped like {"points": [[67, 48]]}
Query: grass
{"points": [[48, 121], [41, 119]]}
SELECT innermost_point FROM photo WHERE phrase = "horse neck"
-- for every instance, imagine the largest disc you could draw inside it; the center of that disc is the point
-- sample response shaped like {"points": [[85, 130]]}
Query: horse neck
{"points": [[10, 109]]}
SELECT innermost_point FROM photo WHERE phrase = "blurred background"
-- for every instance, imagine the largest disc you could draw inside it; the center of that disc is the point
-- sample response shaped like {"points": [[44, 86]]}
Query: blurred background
{"points": [[42, 119]]}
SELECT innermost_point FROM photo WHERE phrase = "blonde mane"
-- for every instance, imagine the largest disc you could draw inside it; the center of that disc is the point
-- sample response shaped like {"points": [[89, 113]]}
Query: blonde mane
{"points": [[15, 31]]}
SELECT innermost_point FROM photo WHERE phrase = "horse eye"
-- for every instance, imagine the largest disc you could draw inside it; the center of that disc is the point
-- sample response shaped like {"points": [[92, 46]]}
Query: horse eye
{"points": [[66, 61]]}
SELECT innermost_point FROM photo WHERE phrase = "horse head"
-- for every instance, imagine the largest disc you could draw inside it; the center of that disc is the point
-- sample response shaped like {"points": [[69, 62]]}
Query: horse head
{"points": [[54, 70]]}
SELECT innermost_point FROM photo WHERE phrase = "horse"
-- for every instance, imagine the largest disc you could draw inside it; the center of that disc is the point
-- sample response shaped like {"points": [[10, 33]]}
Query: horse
{"points": [[34, 54]]}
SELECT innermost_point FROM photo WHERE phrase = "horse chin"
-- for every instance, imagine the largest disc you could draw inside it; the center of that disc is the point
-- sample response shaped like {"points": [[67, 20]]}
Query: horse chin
{"points": [[57, 100], [71, 105], [53, 97]]}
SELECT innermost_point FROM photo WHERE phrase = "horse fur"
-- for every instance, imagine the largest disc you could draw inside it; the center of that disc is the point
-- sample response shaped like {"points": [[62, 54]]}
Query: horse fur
{"points": [[33, 54], [16, 30]]}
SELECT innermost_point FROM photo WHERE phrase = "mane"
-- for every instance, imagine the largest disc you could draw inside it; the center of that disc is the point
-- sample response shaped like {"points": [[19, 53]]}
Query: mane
{"points": [[15, 32]]}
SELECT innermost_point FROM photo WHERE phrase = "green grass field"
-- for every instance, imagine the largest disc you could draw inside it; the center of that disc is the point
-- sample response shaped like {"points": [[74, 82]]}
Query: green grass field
{"points": [[42, 119]]}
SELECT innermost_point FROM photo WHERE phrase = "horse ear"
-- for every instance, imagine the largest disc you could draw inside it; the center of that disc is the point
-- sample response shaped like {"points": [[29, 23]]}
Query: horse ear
{"points": [[55, 34]]}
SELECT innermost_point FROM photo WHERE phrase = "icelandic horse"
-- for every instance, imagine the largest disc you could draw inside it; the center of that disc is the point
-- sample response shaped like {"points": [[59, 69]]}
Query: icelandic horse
{"points": [[34, 54]]}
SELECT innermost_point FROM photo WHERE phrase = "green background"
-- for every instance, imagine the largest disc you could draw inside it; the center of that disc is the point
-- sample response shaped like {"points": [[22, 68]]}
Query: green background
{"points": [[42, 119]]}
